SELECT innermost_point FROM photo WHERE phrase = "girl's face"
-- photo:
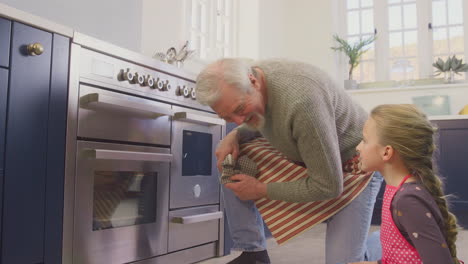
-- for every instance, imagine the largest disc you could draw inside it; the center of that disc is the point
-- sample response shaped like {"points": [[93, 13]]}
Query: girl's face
{"points": [[371, 151]]}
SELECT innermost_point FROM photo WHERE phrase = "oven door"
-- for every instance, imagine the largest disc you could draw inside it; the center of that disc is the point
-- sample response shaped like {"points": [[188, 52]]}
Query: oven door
{"points": [[194, 176], [121, 214]]}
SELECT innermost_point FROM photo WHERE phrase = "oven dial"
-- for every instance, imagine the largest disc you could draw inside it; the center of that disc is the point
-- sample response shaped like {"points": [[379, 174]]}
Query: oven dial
{"points": [[126, 75], [186, 92], [179, 91], [159, 84], [167, 86], [196, 190], [193, 94], [140, 79], [149, 81]]}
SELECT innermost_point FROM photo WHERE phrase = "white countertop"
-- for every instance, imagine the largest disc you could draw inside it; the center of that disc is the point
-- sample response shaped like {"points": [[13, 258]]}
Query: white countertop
{"points": [[448, 117], [409, 88], [39, 22]]}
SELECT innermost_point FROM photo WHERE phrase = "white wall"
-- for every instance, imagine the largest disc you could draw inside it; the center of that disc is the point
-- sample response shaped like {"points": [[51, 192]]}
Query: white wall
{"points": [[296, 29], [114, 21], [368, 99], [163, 25], [248, 34]]}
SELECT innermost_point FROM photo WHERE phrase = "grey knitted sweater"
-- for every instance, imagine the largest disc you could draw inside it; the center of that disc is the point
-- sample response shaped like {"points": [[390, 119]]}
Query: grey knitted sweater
{"points": [[311, 121]]}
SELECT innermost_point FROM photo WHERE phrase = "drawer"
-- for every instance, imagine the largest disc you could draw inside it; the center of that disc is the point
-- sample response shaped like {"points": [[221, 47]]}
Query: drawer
{"points": [[193, 226], [5, 33], [114, 116]]}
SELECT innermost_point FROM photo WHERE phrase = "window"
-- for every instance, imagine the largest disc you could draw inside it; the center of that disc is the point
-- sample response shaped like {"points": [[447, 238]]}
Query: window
{"points": [[403, 40], [212, 28], [360, 19], [411, 35], [447, 25]]}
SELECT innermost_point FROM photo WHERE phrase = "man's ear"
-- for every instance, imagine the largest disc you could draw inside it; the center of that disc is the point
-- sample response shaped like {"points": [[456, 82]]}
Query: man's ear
{"points": [[388, 153], [252, 78]]}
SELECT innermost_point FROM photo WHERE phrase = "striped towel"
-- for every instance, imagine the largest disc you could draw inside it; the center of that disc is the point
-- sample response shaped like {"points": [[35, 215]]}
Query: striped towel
{"points": [[285, 219]]}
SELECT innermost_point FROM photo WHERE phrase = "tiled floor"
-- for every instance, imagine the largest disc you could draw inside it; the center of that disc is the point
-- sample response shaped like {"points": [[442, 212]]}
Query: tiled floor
{"points": [[309, 247]]}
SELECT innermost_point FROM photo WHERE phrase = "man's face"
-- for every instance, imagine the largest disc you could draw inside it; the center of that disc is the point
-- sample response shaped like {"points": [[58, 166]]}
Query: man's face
{"points": [[234, 106], [370, 149]]}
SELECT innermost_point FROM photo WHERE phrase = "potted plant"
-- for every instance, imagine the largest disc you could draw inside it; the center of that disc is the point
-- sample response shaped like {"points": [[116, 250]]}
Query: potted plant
{"points": [[354, 52], [450, 67]]}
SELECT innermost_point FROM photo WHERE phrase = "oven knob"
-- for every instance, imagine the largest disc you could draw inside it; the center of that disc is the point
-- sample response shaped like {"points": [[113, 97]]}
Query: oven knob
{"points": [[126, 75], [186, 92], [196, 190], [193, 94], [140, 79], [159, 84], [149, 81], [167, 86], [179, 90]]}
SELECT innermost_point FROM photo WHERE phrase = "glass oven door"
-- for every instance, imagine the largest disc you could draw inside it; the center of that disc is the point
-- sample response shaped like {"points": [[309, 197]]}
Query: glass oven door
{"points": [[121, 204], [194, 177]]}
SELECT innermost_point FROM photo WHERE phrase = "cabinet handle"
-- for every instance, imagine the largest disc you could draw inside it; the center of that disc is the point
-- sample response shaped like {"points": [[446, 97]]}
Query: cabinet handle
{"points": [[191, 219], [199, 119], [100, 101], [35, 49], [128, 155]]}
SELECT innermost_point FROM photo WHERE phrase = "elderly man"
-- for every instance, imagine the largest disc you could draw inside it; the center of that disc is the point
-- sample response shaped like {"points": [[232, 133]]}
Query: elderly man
{"points": [[301, 112]]}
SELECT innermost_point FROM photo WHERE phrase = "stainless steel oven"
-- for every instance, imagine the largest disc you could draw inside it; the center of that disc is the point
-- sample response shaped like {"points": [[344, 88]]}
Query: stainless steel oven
{"points": [[141, 183], [122, 205]]}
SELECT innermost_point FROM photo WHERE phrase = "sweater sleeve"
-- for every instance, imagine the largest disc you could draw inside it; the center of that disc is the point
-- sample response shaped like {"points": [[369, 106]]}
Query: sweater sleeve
{"points": [[314, 130], [416, 219]]}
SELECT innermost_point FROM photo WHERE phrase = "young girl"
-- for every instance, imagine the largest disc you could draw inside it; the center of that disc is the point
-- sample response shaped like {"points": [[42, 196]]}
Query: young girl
{"points": [[417, 226]]}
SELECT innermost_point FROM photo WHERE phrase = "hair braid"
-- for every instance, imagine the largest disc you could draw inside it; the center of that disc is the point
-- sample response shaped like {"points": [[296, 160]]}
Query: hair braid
{"points": [[435, 187]]}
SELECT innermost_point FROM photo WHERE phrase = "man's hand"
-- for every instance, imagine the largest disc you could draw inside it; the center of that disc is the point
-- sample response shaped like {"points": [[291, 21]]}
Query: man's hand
{"points": [[247, 187], [229, 145]]}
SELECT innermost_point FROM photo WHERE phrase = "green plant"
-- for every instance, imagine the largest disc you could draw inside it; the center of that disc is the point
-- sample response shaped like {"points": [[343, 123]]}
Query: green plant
{"points": [[353, 51], [451, 64]]}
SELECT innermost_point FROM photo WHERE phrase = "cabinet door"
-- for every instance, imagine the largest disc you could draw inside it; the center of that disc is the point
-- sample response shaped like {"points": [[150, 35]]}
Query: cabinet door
{"points": [[451, 160], [3, 102], [5, 32], [26, 143]]}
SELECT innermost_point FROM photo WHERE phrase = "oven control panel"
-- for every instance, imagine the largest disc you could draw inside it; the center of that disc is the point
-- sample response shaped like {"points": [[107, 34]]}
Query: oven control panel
{"points": [[137, 79]]}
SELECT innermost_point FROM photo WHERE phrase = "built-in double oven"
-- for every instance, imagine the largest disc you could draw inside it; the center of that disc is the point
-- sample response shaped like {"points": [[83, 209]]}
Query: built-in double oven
{"points": [[141, 178], [122, 179]]}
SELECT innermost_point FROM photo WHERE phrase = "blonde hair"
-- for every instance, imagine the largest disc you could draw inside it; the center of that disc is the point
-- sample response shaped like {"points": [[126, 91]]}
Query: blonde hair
{"points": [[410, 133]]}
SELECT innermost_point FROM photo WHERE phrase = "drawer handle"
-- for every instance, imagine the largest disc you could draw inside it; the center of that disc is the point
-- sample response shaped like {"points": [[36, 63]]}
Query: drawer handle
{"points": [[199, 119], [110, 103], [191, 219], [35, 49], [129, 155]]}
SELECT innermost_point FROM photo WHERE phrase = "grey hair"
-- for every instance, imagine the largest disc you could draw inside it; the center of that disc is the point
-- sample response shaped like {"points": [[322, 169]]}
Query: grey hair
{"points": [[231, 71]]}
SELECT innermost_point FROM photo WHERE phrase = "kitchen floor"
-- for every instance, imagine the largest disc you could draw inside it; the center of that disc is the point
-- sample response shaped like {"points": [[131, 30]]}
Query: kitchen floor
{"points": [[309, 247]]}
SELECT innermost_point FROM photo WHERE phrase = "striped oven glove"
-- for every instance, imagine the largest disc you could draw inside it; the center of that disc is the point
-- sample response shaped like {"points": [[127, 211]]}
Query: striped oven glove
{"points": [[243, 165]]}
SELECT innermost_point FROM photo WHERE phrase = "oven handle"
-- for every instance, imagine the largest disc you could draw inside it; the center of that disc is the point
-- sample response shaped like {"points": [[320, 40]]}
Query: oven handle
{"points": [[129, 155], [199, 119], [191, 219], [111, 103]]}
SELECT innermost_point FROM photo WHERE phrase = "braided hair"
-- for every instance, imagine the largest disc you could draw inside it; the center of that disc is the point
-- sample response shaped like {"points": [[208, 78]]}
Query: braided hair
{"points": [[414, 141]]}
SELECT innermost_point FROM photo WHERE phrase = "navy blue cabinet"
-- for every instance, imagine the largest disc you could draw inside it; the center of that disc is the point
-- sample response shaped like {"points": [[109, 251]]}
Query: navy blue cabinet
{"points": [[34, 147], [3, 102], [5, 28], [451, 159]]}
